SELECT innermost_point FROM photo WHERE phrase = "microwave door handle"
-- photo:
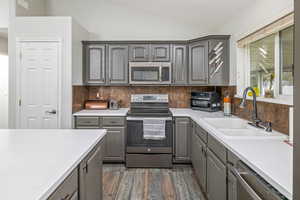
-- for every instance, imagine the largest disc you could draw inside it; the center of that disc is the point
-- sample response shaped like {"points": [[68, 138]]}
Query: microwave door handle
{"points": [[245, 185]]}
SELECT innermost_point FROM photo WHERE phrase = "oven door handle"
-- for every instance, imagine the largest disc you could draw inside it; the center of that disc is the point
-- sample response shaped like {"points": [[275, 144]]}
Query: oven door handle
{"points": [[142, 118], [244, 184]]}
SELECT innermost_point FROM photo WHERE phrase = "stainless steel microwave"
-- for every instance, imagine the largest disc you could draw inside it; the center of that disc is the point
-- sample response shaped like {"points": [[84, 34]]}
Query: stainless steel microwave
{"points": [[150, 73]]}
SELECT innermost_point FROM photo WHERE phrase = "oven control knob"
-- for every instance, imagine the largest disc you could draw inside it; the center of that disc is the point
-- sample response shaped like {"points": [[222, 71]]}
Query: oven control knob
{"points": [[148, 149]]}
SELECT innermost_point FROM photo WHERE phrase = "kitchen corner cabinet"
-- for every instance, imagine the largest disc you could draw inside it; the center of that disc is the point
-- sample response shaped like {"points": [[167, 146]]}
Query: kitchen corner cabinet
{"points": [[94, 62], [118, 64], [198, 63], [218, 63], [90, 179], [180, 64], [182, 140]]}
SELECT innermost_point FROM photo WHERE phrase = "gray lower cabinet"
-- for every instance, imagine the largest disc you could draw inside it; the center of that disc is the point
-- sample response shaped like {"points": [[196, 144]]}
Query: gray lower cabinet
{"points": [[216, 178], [182, 139], [231, 186], [160, 52], [218, 66], [90, 179], [68, 189], [94, 62], [118, 64], [115, 144], [180, 64], [198, 63], [139, 52], [198, 155]]}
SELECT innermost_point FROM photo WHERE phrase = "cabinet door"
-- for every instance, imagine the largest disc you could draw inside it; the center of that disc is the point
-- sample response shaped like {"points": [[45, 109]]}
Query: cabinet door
{"points": [[216, 178], [198, 63], [118, 64], [115, 144], [160, 52], [182, 139], [139, 52], [199, 156], [94, 69], [231, 186], [91, 176], [179, 61], [218, 62]]}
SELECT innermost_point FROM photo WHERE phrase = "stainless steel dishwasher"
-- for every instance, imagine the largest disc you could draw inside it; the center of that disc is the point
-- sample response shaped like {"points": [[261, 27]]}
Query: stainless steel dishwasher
{"points": [[250, 186]]}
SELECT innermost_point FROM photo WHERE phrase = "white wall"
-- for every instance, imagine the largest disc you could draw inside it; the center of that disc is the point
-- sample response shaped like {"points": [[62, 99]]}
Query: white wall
{"points": [[256, 16], [4, 13], [39, 28], [115, 20], [3, 83], [30, 7], [78, 34]]}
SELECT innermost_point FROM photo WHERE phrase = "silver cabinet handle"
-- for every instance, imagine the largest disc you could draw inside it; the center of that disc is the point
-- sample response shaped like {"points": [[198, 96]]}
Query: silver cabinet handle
{"points": [[52, 112], [245, 185]]}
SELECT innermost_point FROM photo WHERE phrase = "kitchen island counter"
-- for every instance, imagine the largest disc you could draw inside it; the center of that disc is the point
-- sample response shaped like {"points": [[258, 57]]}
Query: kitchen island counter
{"points": [[35, 162]]}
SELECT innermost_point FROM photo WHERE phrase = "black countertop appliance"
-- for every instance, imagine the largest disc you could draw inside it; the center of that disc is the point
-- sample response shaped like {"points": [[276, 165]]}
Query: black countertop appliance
{"points": [[206, 101]]}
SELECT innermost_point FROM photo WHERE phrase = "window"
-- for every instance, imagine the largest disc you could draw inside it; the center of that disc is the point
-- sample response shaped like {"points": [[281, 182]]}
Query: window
{"points": [[262, 65], [271, 64], [287, 61]]}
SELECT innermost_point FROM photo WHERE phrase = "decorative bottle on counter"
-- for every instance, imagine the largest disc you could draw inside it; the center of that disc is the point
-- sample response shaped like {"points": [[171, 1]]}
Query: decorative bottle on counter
{"points": [[227, 105]]}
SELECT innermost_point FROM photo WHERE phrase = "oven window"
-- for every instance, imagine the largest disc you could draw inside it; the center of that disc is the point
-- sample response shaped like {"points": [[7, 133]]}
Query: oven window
{"points": [[145, 74]]}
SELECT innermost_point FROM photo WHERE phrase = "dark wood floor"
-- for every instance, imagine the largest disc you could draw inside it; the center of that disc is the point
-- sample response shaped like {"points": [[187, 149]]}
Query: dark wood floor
{"points": [[178, 183]]}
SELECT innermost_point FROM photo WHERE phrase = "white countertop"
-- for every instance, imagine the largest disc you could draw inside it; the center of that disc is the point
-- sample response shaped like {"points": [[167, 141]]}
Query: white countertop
{"points": [[35, 162], [270, 158], [118, 113]]}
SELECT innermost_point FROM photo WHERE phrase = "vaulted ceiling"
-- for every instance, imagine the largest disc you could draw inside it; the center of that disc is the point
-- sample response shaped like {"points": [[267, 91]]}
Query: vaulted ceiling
{"points": [[149, 19]]}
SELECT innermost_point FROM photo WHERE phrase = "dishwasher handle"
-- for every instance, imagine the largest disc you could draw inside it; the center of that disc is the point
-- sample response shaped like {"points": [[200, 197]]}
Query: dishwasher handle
{"points": [[244, 184]]}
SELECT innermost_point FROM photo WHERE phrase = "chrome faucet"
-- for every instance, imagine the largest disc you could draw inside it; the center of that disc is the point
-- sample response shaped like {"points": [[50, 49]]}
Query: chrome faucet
{"points": [[256, 122]]}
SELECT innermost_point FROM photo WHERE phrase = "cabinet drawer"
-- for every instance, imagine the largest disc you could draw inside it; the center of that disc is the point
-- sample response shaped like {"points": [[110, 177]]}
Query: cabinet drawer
{"points": [[217, 148], [201, 133], [87, 122], [113, 121], [68, 189]]}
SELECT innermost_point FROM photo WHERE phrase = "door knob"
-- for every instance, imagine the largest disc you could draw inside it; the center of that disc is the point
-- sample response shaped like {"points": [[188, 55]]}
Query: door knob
{"points": [[52, 112]]}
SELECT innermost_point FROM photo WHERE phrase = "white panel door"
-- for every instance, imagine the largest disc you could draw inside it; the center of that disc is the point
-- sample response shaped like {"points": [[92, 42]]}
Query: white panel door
{"points": [[39, 85]]}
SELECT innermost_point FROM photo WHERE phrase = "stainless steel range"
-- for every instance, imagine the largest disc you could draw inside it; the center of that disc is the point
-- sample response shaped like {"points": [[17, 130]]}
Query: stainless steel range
{"points": [[149, 132]]}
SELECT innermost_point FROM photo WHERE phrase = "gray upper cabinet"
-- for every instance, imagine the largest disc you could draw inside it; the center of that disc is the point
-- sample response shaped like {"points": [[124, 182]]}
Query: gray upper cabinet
{"points": [[94, 70], [160, 52], [139, 53], [198, 63], [218, 63], [180, 64], [118, 64], [216, 178], [182, 139]]}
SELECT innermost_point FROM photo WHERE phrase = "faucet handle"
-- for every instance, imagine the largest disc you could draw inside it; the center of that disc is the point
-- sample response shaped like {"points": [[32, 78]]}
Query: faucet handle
{"points": [[268, 126]]}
